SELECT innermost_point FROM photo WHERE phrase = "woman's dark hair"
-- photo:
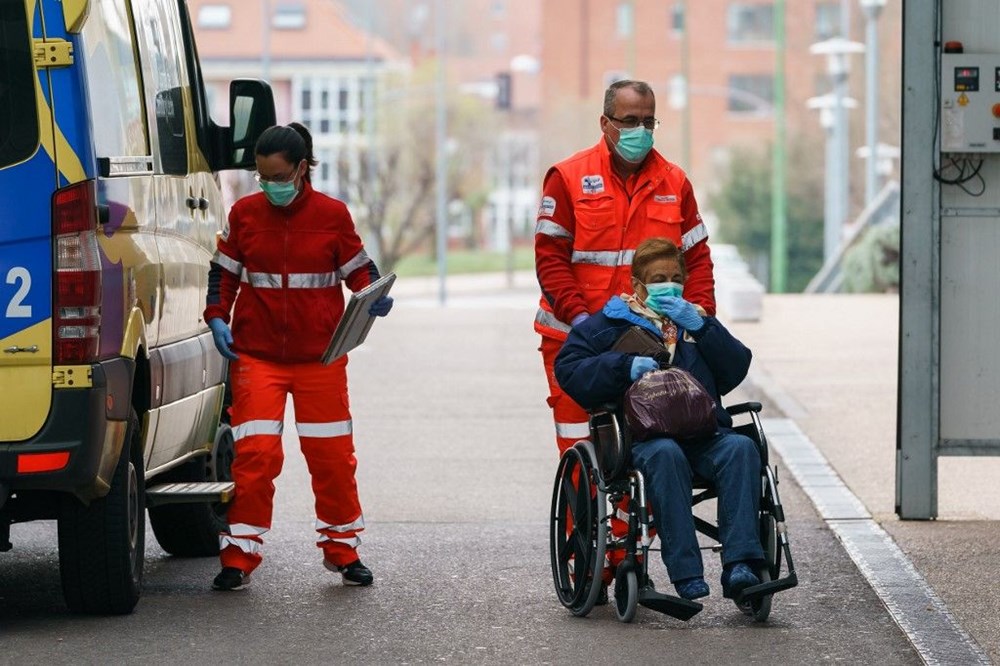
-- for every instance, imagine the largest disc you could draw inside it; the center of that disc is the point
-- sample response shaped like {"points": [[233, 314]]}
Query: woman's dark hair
{"points": [[652, 249], [293, 141]]}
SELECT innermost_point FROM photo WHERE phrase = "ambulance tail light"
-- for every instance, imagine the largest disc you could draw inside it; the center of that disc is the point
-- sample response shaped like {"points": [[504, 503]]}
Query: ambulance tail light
{"points": [[77, 307]]}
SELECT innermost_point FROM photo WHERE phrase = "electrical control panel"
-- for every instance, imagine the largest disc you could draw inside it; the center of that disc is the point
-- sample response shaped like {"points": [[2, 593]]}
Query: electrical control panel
{"points": [[970, 103]]}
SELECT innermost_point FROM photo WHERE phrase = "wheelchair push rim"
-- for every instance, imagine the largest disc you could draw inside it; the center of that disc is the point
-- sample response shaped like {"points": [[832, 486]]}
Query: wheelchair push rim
{"points": [[576, 537]]}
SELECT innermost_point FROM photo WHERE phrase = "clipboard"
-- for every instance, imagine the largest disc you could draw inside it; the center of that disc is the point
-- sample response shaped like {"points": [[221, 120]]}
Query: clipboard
{"points": [[356, 322]]}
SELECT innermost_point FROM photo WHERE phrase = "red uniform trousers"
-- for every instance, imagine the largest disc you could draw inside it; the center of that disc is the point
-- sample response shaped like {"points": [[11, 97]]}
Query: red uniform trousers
{"points": [[323, 422]]}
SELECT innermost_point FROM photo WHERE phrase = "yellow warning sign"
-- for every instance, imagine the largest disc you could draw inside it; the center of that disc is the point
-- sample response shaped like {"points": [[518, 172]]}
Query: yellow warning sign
{"points": [[963, 100]]}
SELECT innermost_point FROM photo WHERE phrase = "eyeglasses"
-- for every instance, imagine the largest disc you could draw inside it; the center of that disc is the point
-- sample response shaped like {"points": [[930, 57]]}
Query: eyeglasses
{"points": [[631, 122], [275, 179]]}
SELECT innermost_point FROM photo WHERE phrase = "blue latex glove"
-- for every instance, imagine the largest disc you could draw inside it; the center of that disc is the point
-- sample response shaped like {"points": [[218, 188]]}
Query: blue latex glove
{"points": [[680, 312], [578, 319], [381, 307], [223, 337], [641, 365]]}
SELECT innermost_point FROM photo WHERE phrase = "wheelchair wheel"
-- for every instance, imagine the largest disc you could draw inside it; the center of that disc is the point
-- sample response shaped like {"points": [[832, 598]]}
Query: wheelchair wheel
{"points": [[760, 609], [626, 594], [578, 533]]}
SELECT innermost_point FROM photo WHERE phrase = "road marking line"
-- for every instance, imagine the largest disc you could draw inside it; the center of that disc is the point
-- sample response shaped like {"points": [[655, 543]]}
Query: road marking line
{"points": [[936, 636]]}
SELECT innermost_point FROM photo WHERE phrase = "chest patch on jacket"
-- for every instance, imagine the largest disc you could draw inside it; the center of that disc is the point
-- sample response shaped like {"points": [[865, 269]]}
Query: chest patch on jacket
{"points": [[665, 198], [593, 184]]}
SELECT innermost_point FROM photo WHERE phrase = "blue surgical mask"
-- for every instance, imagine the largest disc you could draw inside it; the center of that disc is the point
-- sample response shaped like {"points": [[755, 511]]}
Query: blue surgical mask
{"points": [[634, 144], [279, 194], [657, 290]]}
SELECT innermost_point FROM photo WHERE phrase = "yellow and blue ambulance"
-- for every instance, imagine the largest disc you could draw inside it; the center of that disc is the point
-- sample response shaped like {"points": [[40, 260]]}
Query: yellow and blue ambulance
{"points": [[111, 391]]}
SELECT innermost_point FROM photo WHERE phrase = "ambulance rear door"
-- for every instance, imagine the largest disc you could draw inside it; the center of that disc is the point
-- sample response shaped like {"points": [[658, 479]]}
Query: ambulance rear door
{"points": [[28, 177]]}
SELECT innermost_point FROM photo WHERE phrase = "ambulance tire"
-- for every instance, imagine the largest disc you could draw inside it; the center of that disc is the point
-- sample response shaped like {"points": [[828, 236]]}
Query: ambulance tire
{"points": [[192, 530], [102, 545]]}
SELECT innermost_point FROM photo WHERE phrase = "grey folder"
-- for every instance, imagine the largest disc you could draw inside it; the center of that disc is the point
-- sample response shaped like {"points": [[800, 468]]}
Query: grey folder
{"points": [[356, 322]]}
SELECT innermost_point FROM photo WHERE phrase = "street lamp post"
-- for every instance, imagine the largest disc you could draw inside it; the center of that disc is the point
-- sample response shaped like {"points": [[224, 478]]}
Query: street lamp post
{"points": [[441, 163], [872, 9], [833, 115]]}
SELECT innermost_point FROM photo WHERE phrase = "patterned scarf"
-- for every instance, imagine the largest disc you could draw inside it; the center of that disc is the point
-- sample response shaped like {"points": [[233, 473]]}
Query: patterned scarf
{"points": [[667, 328]]}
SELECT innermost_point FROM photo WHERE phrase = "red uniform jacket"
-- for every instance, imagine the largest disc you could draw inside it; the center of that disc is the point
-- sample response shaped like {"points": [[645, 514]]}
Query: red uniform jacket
{"points": [[589, 226], [286, 265]]}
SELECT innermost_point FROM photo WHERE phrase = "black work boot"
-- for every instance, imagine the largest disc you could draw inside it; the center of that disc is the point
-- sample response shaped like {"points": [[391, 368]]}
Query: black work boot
{"points": [[354, 573], [230, 579]]}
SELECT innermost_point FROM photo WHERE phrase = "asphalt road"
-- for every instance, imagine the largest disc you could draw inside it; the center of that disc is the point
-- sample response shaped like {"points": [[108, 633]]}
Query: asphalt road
{"points": [[456, 460]]}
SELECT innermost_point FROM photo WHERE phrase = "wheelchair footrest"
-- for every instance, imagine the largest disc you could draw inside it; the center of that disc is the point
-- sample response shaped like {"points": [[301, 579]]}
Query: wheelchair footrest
{"points": [[756, 592], [682, 609]]}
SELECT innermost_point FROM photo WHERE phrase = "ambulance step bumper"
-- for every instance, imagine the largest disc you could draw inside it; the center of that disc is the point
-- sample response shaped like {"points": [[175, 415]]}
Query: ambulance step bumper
{"points": [[186, 493]]}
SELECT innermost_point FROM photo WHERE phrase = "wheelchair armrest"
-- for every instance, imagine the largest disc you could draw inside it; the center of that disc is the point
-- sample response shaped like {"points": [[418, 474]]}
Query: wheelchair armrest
{"points": [[743, 408], [606, 408]]}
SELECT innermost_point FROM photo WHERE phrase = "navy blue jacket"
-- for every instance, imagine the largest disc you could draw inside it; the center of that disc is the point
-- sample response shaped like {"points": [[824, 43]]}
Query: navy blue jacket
{"points": [[593, 375]]}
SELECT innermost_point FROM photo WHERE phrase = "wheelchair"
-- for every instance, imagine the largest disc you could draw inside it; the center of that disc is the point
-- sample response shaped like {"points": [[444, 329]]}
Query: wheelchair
{"points": [[595, 477]]}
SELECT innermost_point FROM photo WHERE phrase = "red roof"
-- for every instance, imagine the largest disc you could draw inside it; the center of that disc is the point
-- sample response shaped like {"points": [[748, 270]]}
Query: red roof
{"points": [[326, 35]]}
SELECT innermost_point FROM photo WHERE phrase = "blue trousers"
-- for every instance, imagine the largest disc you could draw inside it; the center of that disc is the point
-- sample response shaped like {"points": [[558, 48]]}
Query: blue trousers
{"points": [[728, 460]]}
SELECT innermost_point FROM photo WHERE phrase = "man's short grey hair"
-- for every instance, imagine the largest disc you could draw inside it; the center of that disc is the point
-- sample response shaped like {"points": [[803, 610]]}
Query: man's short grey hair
{"points": [[640, 87]]}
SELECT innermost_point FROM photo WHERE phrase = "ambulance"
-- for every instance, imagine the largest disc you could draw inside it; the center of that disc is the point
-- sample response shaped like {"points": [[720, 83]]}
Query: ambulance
{"points": [[112, 394]]}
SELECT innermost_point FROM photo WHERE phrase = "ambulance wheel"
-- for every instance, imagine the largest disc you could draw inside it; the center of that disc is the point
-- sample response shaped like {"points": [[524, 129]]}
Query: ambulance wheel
{"points": [[192, 530], [102, 545]]}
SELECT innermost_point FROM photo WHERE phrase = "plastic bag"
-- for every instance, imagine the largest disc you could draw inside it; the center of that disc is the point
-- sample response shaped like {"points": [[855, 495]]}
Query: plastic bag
{"points": [[671, 403]]}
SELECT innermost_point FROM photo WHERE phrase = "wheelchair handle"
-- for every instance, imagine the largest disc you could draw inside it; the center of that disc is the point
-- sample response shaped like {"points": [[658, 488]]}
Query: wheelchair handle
{"points": [[743, 408]]}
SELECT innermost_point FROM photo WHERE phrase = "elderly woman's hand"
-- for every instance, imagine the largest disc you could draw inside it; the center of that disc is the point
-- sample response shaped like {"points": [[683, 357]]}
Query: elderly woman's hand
{"points": [[641, 365], [681, 312]]}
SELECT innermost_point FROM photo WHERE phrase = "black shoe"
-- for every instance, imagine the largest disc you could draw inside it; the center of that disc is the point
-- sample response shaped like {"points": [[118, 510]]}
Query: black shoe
{"points": [[229, 579], [602, 596], [354, 573]]}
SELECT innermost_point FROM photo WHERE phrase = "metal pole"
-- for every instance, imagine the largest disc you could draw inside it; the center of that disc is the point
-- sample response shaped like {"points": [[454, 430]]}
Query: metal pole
{"points": [[872, 11], [265, 40], [779, 221], [842, 132], [686, 76], [441, 170], [368, 90]]}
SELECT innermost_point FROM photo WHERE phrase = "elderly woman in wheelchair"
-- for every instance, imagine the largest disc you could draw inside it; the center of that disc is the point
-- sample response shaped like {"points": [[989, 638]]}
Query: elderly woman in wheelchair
{"points": [[593, 370]]}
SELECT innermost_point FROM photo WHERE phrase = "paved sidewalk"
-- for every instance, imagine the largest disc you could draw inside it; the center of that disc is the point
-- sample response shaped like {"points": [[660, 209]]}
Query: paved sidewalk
{"points": [[829, 363]]}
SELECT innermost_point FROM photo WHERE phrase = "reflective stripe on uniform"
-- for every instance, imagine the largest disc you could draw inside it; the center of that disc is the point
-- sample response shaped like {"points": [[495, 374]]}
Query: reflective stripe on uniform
{"points": [[329, 429], [262, 427], [550, 228], [312, 280], [248, 546], [359, 260], [262, 280], [358, 524], [242, 530], [227, 262], [353, 542], [546, 318], [693, 237], [573, 430], [609, 258]]}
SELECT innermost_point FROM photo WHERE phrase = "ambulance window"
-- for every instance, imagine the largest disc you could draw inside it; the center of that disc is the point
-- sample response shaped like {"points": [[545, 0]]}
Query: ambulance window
{"points": [[19, 133], [113, 83], [164, 76]]}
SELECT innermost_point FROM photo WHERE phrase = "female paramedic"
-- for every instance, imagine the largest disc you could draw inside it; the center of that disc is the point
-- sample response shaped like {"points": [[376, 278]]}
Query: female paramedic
{"points": [[594, 375], [281, 260]]}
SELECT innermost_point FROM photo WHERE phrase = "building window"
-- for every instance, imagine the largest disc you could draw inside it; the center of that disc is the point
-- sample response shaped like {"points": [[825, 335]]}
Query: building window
{"points": [[751, 94], [498, 8], [625, 20], [750, 23], [289, 17], [827, 20], [214, 17], [498, 42]]}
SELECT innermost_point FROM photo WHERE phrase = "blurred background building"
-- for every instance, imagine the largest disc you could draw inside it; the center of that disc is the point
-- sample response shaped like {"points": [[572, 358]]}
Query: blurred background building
{"points": [[524, 82]]}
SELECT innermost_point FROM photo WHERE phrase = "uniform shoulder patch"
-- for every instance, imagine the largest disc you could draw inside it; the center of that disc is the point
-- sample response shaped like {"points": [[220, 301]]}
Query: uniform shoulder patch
{"points": [[547, 208]]}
